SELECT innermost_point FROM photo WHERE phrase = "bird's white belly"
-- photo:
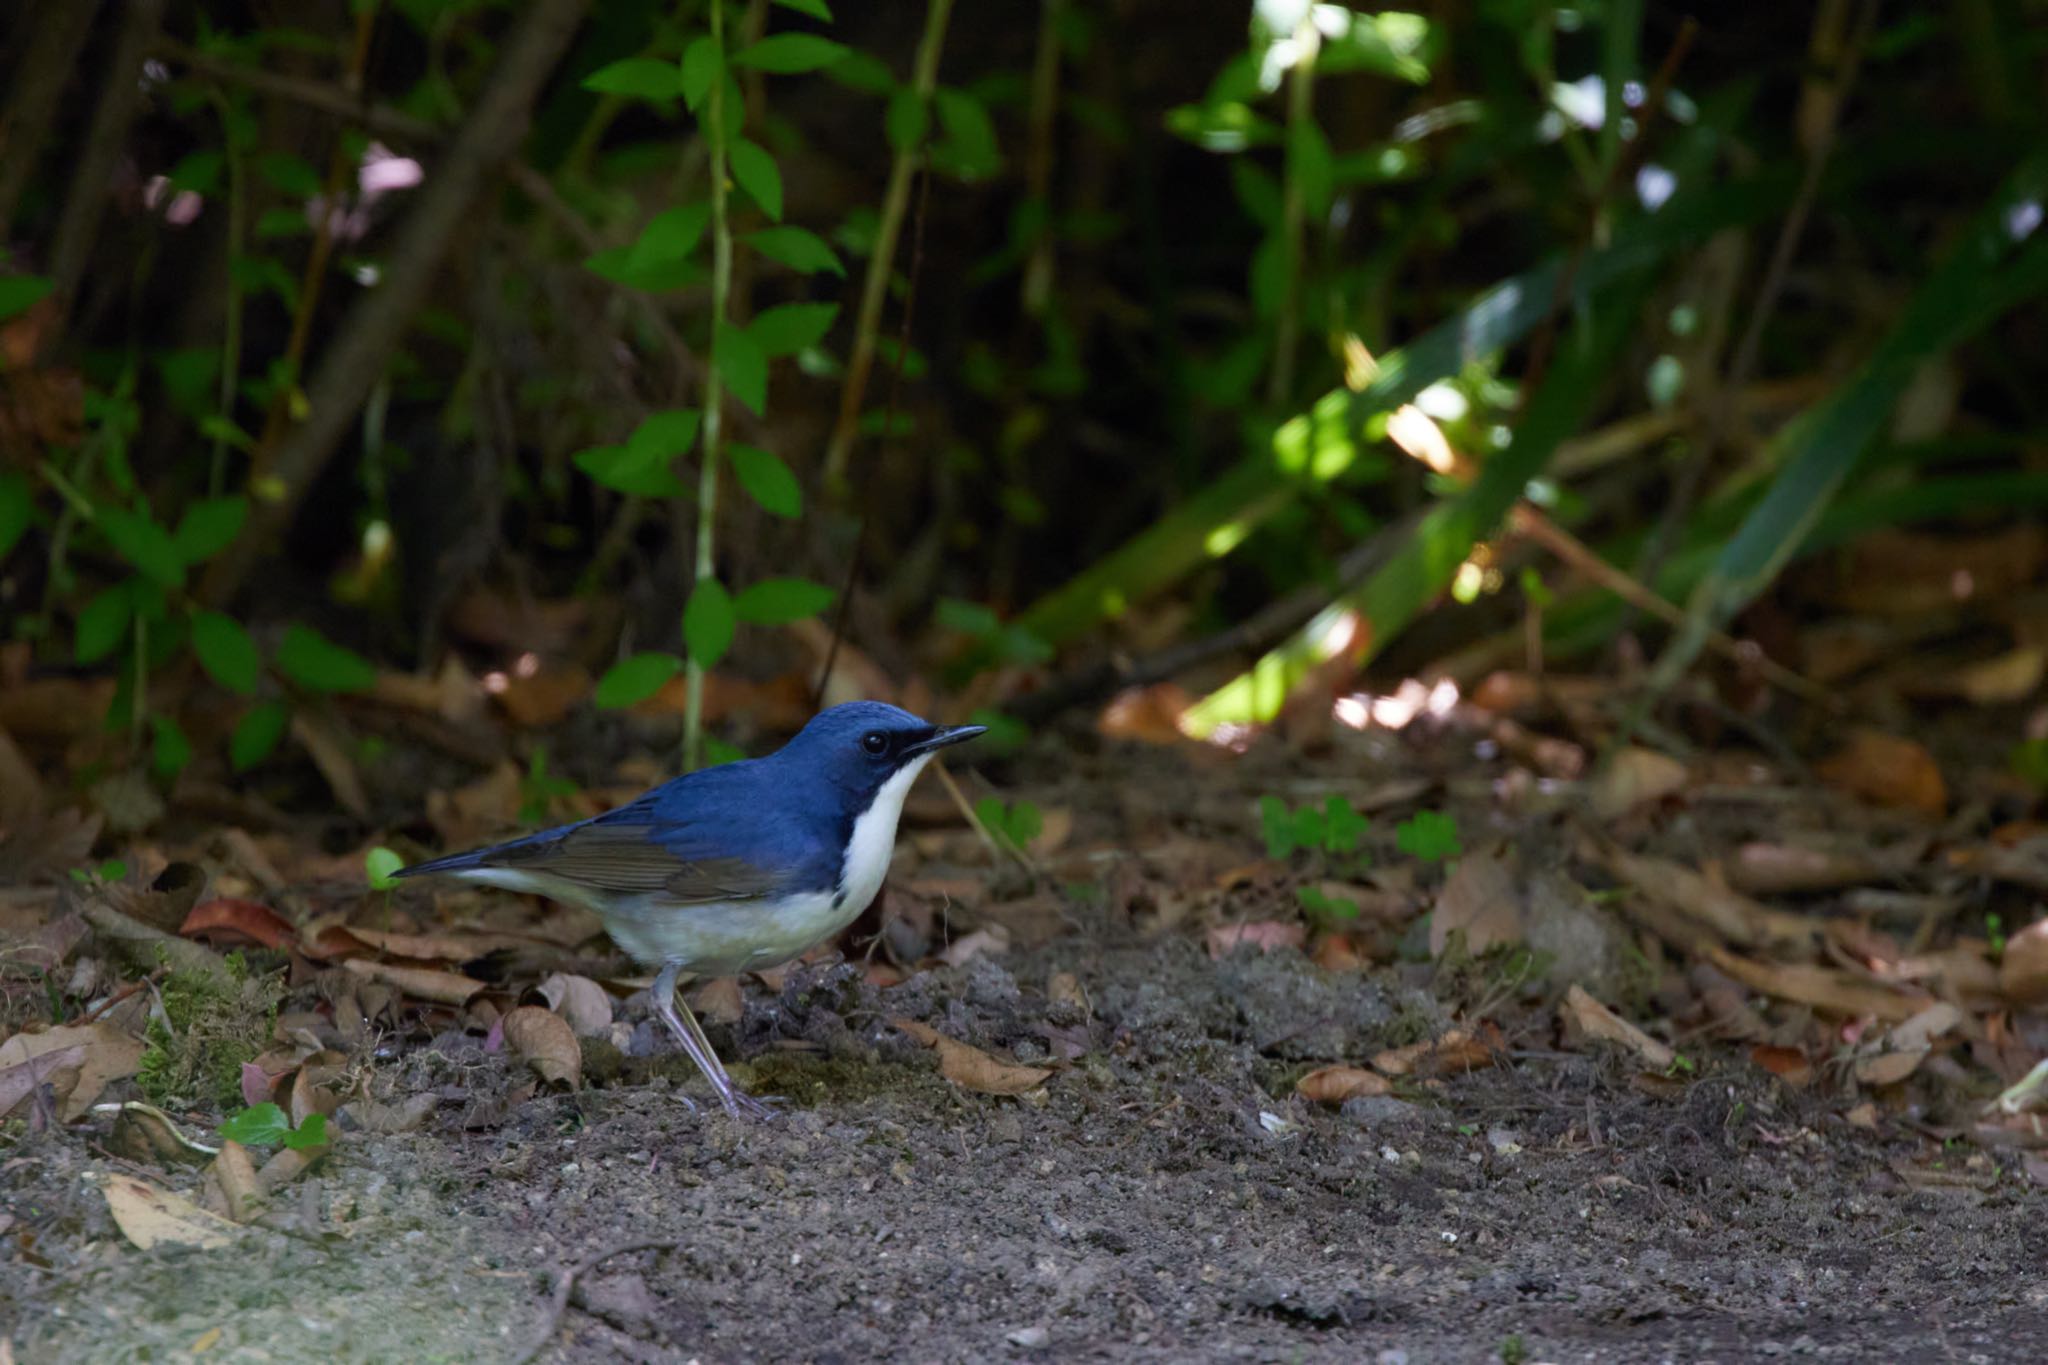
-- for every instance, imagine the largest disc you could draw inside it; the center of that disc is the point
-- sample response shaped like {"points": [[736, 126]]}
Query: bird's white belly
{"points": [[722, 938]]}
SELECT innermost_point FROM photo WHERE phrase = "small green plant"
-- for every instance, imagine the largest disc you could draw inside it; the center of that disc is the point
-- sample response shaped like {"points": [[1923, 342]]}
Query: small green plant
{"points": [[1324, 909], [111, 870], [1994, 934], [1514, 1350], [1429, 835], [1334, 828], [539, 788], [380, 866], [1014, 823], [266, 1125]]}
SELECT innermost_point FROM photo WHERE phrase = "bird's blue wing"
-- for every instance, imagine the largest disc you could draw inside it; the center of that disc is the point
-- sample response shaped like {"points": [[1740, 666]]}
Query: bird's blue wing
{"points": [[702, 838]]}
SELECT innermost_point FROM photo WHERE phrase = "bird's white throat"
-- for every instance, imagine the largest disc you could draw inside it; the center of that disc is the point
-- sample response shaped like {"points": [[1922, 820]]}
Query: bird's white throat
{"points": [[874, 839]]}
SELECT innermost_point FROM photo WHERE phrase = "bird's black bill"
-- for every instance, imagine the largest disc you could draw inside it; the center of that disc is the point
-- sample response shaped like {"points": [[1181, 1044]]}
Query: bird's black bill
{"points": [[941, 736]]}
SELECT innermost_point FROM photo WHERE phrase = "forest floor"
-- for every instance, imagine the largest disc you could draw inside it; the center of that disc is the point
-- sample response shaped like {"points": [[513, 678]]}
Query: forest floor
{"points": [[1502, 1187]]}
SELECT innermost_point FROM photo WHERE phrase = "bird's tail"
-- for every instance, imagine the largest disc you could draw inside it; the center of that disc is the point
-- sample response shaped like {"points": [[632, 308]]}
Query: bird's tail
{"points": [[453, 862]]}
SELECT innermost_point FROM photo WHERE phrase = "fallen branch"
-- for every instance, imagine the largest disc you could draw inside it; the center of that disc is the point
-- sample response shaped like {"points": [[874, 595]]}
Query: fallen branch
{"points": [[377, 322]]}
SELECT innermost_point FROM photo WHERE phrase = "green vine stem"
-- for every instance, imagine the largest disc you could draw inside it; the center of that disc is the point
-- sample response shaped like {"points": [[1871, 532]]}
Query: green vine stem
{"points": [[895, 203], [714, 389]]}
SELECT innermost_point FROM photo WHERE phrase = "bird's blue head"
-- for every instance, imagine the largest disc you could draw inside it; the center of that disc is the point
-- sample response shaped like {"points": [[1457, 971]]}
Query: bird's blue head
{"points": [[858, 746]]}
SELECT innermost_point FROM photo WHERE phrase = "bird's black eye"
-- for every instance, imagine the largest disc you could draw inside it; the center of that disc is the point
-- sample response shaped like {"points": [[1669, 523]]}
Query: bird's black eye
{"points": [[875, 742]]}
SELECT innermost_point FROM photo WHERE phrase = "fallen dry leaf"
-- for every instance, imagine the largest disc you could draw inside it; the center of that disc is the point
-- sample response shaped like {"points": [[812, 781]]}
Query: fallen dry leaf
{"points": [[1636, 777], [542, 697], [1888, 771], [579, 1000], [1863, 1115], [2023, 970], [718, 1001], [1765, 869], [447, 947], [232, 920], [1827, 989], [2010, 677], [546, 1043], [969, 1067], [22, 1079], [1336, 1084], [1337, 953], [149, 1216], [422, 983], [1264, 935], [1889, 1068], [1788, 1064], [991, 940], [1482, 899], [1064, 988], [1150, 715], [1457, 1050], [232, 1176], [1589, 1017], [109, 1055], [1925, 1028]]}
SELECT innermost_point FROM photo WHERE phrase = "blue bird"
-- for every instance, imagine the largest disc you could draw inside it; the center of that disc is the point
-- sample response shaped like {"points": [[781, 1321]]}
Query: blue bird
{"points": [[733, 868]]}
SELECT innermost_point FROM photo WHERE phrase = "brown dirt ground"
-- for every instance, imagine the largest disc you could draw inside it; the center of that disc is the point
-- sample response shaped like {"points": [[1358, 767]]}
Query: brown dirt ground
{"points": [[1165, 1196], [1143, 1206]]}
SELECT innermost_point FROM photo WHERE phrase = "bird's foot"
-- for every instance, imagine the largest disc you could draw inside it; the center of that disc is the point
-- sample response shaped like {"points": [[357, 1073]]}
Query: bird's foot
{"points": [[741, 1105]]}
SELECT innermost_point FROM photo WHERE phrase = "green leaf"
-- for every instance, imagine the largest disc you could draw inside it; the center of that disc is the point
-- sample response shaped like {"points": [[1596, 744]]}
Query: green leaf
{"points": [[1277, 823], [290, 174], [616, 264], [208, 527], [1429, 835], [139, 540], [791, 327], [796, 248], [767, 479], [171, 751], [191, 376], [908, 119], [257, 734], [779, 601], [260, 1125], [815, 8], [19, 293], [743, 365], [103, 622], [378, 866], [274, 223], [198, 172], [663, 436], [969, 151], [633, 680], [618, 468], [316, 663], [311, 1133], [17, 508], [758, 175], [708, 623], [1343, 826], [701, 66], [639, 78], [225, 651], [669, 237], [790, 54]]}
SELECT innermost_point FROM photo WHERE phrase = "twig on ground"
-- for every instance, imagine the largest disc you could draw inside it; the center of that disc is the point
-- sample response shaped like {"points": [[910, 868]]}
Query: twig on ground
{"points": [[566, 1284]]}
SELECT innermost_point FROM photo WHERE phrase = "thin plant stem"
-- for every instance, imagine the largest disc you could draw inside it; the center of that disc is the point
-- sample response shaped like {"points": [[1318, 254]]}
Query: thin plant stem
{"points": [[1300, 110], [895, 203], [714, 389]]}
